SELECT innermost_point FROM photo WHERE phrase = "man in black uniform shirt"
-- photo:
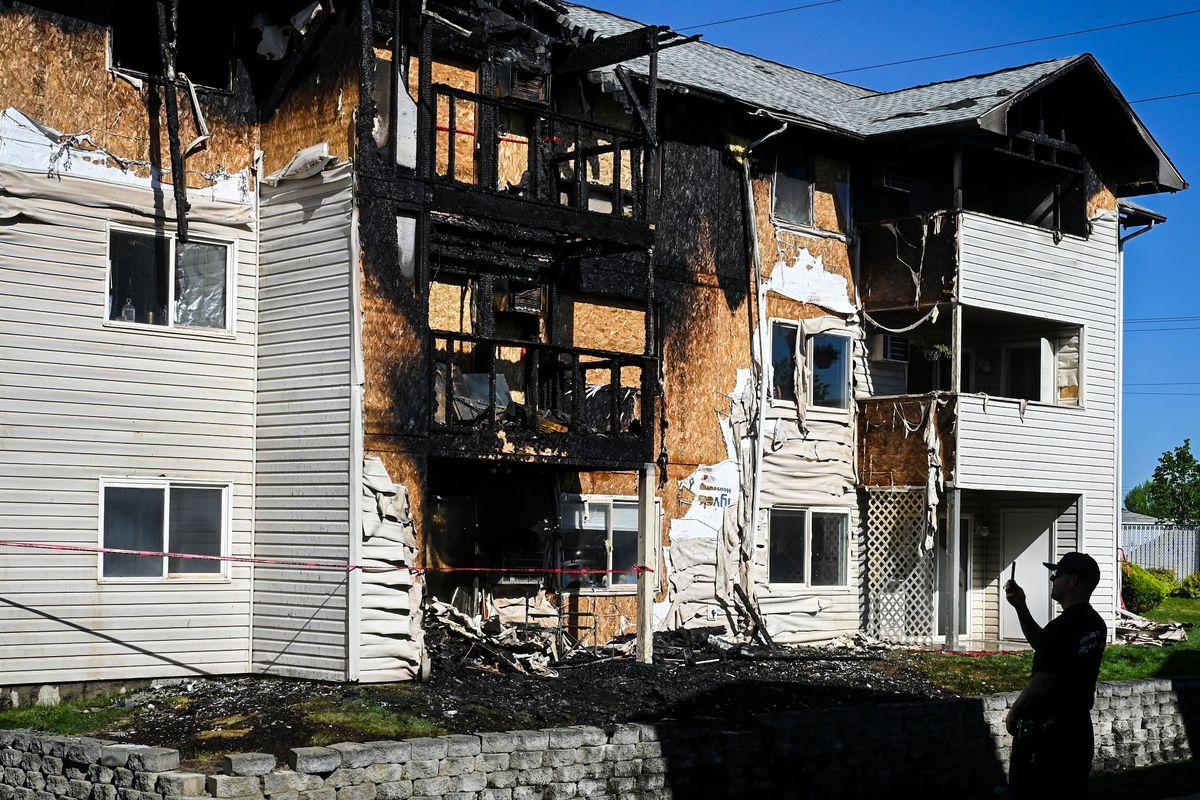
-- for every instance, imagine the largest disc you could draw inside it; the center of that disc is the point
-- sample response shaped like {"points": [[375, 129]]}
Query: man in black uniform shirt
{"points": [[1051, 721]]}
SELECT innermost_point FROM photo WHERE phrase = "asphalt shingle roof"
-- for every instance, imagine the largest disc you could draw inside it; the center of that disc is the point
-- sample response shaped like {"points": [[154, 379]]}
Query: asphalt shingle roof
{"points": [[794, 93]]}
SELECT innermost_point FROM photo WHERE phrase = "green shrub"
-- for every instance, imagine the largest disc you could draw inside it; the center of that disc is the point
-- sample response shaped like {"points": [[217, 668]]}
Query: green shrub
{"points": [[1191, 586], [1167, 578], [1140, 590]]}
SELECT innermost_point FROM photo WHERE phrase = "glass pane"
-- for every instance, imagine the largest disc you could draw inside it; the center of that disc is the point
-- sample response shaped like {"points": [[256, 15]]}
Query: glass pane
{"points": [[200, 285], [624, 556], [137, 286], [787, 546], [196, 522], [793, 196], [584, 543], [831, 376], [829, 545], [783, 362], [133, 520]]}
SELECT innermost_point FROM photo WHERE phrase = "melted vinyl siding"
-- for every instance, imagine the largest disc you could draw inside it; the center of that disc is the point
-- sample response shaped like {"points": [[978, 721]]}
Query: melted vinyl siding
{"points": [[302, 506], [79, 401], [1019, 269]]}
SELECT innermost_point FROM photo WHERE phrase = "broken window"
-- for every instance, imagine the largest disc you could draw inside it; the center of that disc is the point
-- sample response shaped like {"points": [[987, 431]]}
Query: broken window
{"points": [[599, 534], [205, 45], [154, 280], [792, 194], [163, 517], [783, 362], [808, 547], [830, 359]]}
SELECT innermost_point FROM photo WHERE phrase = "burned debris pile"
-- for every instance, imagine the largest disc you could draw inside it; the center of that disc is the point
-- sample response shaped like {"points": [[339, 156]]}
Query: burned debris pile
{"points": [[1133, 629]]}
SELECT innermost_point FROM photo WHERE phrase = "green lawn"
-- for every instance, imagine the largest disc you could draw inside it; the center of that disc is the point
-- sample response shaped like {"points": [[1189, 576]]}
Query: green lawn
{"points": [[73, 718], [978, 675]]}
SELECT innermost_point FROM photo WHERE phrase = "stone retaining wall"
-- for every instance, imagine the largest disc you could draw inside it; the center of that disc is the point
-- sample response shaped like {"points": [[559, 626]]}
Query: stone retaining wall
{"points": [[958, 746]]}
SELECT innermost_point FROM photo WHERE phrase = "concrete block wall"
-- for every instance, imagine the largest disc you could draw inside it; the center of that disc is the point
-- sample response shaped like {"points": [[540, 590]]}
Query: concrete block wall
{"points": [[957, 746]]}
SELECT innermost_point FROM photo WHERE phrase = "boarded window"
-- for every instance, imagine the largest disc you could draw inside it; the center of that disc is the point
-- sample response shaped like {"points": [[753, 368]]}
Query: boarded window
{"points": [[155, 281], [783, 362], [792, 198], [831, 371], [167, 517]]}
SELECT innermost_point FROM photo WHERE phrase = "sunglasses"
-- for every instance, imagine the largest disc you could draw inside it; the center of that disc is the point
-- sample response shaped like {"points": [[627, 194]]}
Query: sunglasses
{"points": [[1054, 575]]}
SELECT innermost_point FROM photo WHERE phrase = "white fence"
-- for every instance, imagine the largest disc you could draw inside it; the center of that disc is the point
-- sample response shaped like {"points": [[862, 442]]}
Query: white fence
{"points": [[1163, 546]]}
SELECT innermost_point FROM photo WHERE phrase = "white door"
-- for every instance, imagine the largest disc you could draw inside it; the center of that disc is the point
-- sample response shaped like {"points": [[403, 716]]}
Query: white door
{"points": [[1028, 542]]}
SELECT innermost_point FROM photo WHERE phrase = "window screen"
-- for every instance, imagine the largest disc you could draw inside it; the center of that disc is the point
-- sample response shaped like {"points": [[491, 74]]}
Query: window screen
{"points": [[196, 525], [200, 285], [133, 519], [829, 542], [787, 546], [793, 194]]}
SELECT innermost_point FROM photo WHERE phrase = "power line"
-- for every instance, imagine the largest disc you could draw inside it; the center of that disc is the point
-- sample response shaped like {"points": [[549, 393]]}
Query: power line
{"points": [[758, 16], [1166, 383], [1161, 319], [1017, 43], [1165, 97], [1166, 394], [1151, 330]]}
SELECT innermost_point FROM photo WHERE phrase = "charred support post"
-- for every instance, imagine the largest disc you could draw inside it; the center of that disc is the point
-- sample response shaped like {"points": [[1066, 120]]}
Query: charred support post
{"points": [[953, 555], [647, 555], [166, 42]]}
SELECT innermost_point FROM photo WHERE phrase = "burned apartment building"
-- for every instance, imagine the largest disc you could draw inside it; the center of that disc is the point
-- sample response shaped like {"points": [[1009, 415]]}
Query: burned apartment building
{"points": [[501, 304]]}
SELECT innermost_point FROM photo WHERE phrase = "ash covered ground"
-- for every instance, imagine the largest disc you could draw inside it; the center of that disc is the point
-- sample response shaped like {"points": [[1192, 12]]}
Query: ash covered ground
{"points": [[691, 679]]}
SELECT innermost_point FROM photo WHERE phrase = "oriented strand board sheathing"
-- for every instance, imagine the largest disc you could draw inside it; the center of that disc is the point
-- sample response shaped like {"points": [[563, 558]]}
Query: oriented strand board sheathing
{"points": [[55, 70], [780, 244], [320, 106], [827, 213], [459, 75], [1100, 197], [450, 307], [892, 450]]}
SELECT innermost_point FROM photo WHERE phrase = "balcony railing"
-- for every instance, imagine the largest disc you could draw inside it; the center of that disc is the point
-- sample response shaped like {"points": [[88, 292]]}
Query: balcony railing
{"points": [[545, 391], [519, 148]]}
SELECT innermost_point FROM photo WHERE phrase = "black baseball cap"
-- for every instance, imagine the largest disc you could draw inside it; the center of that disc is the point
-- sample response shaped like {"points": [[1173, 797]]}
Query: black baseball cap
{"points": [[1081, 565]]}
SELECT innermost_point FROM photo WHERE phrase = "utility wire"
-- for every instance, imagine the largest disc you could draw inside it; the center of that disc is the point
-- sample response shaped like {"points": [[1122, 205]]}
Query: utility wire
{"points": [[757, 16], [1166, 383], [1161, 319], [1165, 97], [1035, 39], [1151, 330]]}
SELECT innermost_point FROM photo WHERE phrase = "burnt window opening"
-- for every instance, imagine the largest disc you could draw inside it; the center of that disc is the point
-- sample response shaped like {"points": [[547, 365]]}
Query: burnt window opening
{"points": [[206, 41], [792, 193], [1026, 188]]}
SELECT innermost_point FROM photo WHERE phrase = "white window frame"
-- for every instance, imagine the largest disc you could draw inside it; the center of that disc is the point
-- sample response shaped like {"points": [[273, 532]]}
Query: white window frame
{"points": [[230, 245], [812, 211], [165, 484], [609, 499], [808, 516], [808, 365]]}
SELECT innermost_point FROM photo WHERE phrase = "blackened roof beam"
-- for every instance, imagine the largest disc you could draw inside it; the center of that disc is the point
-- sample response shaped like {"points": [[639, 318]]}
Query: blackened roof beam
{"points": [[610, 50]]}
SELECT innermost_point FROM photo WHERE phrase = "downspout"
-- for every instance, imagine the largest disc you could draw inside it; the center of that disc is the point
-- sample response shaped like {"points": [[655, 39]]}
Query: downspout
{"points": [[762, 333], [1118, 476]]}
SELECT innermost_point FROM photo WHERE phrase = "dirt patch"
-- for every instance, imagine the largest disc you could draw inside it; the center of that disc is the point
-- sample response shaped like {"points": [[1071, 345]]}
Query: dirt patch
{"points": [[691, 680]]}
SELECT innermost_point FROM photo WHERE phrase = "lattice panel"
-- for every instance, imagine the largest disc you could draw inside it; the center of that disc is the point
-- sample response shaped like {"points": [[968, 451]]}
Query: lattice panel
{"points": [[900, 578]]}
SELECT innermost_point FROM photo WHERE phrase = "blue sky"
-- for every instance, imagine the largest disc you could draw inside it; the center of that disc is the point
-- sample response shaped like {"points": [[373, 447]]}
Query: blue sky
{"points": [[1162, 270]]}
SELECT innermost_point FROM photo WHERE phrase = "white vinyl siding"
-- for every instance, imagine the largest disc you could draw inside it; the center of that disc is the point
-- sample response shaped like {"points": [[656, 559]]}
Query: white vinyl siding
{"points": [[79, 400], [1007, 266], [304, 426]]}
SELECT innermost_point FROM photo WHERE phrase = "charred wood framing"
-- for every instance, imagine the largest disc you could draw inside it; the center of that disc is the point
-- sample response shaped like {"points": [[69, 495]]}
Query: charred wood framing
{"points": [[168, 19]]}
